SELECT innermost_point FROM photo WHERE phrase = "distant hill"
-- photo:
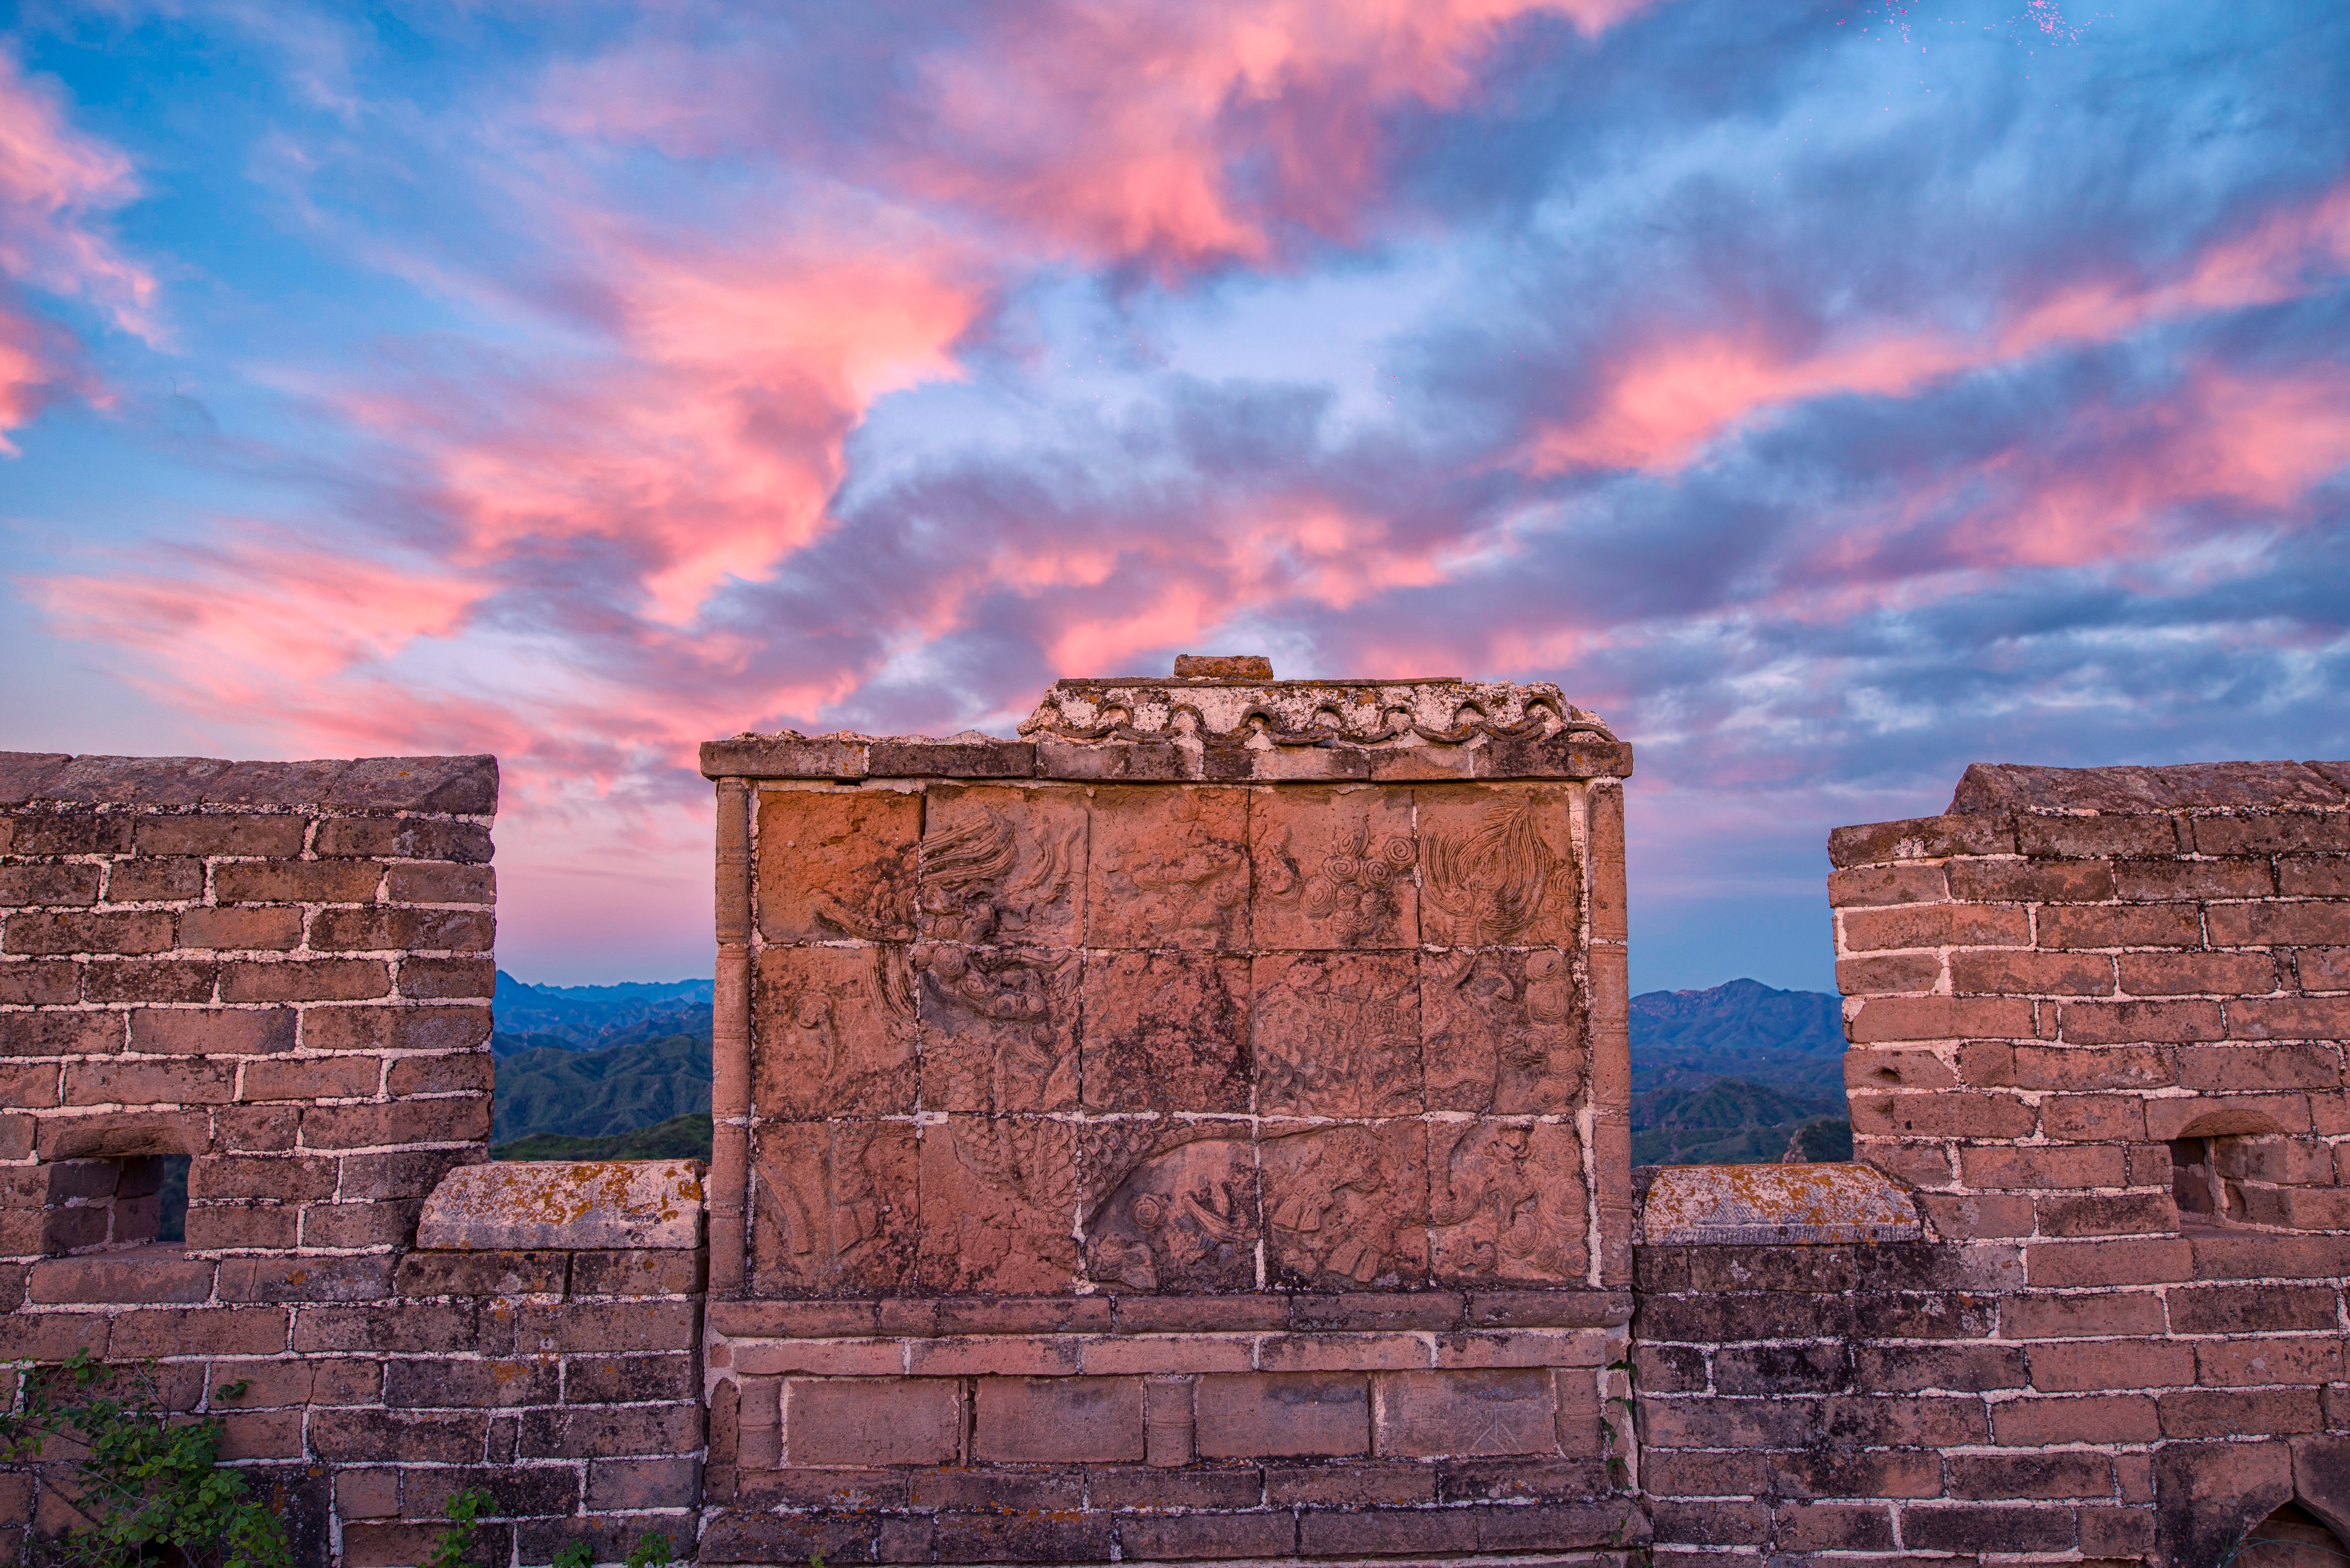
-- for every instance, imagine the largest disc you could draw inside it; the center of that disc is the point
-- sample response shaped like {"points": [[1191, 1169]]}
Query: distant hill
{"points": [[591, 1093], [1736, 1074], [680, 1137], [596, 1017]]}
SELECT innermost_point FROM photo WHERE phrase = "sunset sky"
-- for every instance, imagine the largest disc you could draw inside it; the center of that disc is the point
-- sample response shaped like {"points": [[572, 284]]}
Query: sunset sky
{"points": [[1829, 395]]}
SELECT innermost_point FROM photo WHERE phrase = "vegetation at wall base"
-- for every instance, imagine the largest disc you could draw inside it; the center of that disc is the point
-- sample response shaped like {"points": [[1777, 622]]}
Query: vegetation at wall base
{"points": [[148, 1481], [680, 1137]]}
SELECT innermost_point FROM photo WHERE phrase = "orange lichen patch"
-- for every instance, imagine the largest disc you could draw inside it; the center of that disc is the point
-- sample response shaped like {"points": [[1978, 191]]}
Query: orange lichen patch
{"points": [[608, 1203], [1777, 1203]]}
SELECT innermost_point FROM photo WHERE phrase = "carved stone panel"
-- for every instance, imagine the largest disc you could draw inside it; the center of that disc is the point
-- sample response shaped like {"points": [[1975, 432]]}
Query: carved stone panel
{"points": [[1503, 1030], [1346, 1207], [837, 862], [999, 1205], [1167, 868], [1333, 868], [1171, 1206], [1003, 867], [999, 1028], [1497, 867], [1166, 1032], [1336, 1035], [835, 1207], [1506, 1202], [834, 1032]]}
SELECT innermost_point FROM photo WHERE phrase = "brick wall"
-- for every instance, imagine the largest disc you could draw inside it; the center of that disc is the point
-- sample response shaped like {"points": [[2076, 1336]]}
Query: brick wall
{"points": [[281, 972], [2097, 1021], [1195, 1129]]}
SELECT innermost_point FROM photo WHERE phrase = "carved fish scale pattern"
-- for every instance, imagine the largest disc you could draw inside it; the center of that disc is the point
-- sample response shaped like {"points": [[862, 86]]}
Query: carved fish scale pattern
{"points": [[1168, 1038]]}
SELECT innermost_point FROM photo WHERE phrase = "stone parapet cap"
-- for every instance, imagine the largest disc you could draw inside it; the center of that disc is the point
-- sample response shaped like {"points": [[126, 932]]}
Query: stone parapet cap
{"points": [[1782, 1205], [574, 1205], [1219, 729], [459, 786], [1988, 788]]}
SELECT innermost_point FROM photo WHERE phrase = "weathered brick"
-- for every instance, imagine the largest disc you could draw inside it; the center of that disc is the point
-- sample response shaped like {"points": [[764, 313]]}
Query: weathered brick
{"points": [[1894, 971], [2095, 1118], [309, 1078], [68, 832], [2314, 876], [2117, 1261], [638, 1272], [305, 980], [2274, 1112], [1935, 926], [1893, 1018], [1095, 1420], [403, 1328], [2018, 971], [2032, 881], [39, 983], [2121, 926], [148, 980], [120, 1279], [212, 1030], [610, 1325], [2157, 881], [452, 1385], [871, 1420], [229, 1226], [70, 1033], [627, 1379], [2079, 1067], [2183, 973], [405, 838], [2314, 969], [298, 882], [66, 886], [414, 1436], [2289, 1018], [2074, 1166], [2283, 833], [126, 932], [380, 929], [2240, 1069], [449, 979], [398, 1122], [1923, 838], [2076, 836], [2076, 1317], [2248, 1363], [1960, 1528], [2105, 1214], [270, 928], [394, 1028], [222, 1331], [441, 884], [1831, 1526], [358, 1279], [2273, 924], [2120, 1365], [220, 834], [2136, 1022], [1861, 885], [2076, 1418], [1283, 1415], [2231, 1412], [154, 881], [1941, 1114], [116, 1081]]}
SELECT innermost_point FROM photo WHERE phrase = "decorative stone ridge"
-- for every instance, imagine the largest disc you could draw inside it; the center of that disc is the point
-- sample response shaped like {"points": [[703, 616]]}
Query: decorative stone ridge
{"points": [[575, 1205], [1785, 1204], [1989, 787], [1221, 729]]}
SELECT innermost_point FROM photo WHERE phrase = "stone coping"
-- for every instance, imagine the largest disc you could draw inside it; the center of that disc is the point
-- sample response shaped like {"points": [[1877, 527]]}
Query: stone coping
{"points": [[580, 1205], [1989, 787], [1292, 1311], [1789, 1205], [459, 786]]}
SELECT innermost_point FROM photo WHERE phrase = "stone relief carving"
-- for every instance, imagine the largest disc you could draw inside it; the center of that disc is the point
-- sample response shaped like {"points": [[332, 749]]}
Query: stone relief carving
{"points": [[1347, 1206], [998, 1027], [1175, 1219], [836, 864], [1493, 876], [1334, 870], [1336, 1035], [836, 1204], [1166, 1032], [836, 1033], [999, 1204], [1502, 1029], [1001, 867], [1505, 1202], [1170, 868]]}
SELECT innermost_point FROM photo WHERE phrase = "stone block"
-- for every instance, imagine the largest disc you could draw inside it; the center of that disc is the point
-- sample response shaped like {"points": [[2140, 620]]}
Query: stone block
{"points": [[1502, 1030], [1284, 1416], [1336, 1035], [999, 1198], [1333, 868], [837, 1207], [1498, 866], [1428, 1415], [998, 1028], [1003, 866], [1346, 1206], [834, 1032], [838, 863], [1051, 1420], [1506, 1203], [518, 1205], [1166, 1030], [1170, 1206], [1167, 868], [872, 1420]]}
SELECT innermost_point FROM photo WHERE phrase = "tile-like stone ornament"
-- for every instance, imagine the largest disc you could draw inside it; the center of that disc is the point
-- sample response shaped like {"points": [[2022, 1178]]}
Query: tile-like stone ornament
{"points": [[1761, 1205], [515, 1205]]}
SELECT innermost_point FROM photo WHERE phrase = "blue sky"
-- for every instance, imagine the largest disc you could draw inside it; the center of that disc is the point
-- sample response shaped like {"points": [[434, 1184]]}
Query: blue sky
{"points": [[1829, 395]]}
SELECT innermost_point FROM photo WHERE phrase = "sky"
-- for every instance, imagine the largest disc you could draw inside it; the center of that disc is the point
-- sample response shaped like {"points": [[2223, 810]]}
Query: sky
{"points": [[1829, 395]]}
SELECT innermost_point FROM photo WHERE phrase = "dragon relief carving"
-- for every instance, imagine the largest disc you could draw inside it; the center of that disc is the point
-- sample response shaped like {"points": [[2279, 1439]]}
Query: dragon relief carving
{"points": [[1000, 1041], [1502, 1028], [1492, 880], [973, 887], [1341, 1038], [1184, 1219], [854, 1037], [1488, 1202], [1353, 889]]}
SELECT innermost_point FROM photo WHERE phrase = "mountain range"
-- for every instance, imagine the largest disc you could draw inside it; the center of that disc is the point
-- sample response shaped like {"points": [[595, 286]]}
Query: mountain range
{"points": [[1734, 1074]]}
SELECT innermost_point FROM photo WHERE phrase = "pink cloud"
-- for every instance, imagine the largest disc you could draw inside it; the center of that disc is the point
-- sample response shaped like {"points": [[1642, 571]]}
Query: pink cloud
{"points": [[1663, 399]]}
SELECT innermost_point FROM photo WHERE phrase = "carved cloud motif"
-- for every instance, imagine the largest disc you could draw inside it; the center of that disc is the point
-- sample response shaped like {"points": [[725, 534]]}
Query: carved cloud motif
{"points": [[1491, 882]]}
